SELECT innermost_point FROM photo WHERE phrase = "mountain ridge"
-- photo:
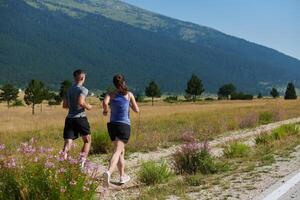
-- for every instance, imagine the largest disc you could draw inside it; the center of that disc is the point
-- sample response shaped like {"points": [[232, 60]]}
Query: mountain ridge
{"points": [[141, 54]]}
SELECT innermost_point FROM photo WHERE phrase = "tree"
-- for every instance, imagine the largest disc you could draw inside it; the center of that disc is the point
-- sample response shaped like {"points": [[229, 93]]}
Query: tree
{"points": [[152, 91], [8, 93], [194, 87], [225, 91], [35, 93], [290, 92], [259, 96], [109, 89], [64, 86], [274, 93]]}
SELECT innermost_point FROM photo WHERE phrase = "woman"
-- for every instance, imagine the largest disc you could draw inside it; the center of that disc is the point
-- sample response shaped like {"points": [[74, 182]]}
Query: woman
{"points": [[119, 125]]}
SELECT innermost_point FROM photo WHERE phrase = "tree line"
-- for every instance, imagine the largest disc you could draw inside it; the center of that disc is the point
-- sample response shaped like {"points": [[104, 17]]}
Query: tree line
{"points": [[228, 91], [36, 92]]}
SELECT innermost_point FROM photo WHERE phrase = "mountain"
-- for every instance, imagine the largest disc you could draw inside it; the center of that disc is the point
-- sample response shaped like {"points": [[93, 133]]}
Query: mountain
{"points": [[48, 39]]}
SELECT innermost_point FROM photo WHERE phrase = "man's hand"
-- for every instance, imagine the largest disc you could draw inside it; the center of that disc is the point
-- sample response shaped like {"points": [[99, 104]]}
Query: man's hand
{"points": [[83, 103]]}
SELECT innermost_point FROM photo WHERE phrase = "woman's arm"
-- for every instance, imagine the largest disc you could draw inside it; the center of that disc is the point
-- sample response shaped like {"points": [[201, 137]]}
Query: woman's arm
{"points": [[105, 104], [133, 103]]}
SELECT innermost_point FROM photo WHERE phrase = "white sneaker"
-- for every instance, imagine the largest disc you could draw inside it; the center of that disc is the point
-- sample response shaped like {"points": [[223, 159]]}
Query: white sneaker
{"points": [[124, 179], [81, 163], [107, 177]]}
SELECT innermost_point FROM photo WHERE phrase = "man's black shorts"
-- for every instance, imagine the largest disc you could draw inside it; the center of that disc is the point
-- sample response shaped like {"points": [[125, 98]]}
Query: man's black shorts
{"points": [[75, 127], [118, 131]]}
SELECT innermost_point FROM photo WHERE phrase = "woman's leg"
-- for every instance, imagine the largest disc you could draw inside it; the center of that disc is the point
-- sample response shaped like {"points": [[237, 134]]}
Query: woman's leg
{"points": [[119, 147], [121, 163]]}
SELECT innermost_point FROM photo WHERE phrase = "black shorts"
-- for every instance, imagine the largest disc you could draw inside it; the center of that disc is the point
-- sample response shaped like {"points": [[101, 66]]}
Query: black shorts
{"points": [[118, 131], [75, 127]]}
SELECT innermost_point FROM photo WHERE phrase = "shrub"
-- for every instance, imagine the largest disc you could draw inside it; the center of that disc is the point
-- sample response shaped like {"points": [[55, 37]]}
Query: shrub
{"points": [[209, 99], [53, 102], [171, 99], [140, 98], [265, 117], [153, 173], [278, 114], [37, 173], [249, 120], [18, 103], [100, 143], [262, 139], [236, 150], [194, 180], [278, 133], [192, 157], [264, 154], [241, 96], [290, 129]]}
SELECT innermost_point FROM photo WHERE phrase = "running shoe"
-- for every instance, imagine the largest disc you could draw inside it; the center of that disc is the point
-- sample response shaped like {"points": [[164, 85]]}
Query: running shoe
{"points": [[124, 179]]}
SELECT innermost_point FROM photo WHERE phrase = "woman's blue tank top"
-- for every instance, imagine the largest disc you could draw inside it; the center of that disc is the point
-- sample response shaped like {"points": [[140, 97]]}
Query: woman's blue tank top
{"points": [[119, 109]]}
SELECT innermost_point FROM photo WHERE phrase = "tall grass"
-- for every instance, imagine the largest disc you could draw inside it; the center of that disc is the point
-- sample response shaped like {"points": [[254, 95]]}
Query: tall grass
{"points": [[100, 143], [152, 173], [163, 123], [236, 149]]}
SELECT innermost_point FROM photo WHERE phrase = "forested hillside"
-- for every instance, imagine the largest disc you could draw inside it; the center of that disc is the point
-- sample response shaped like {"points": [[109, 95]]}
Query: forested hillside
{"points": [[48, 39]]}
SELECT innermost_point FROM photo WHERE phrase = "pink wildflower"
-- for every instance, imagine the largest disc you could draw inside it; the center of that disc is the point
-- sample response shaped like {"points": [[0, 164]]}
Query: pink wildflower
{"points": [[11, 163], [49, 164], [2, 146], [86, 188], [62, 170], [62, 189], [73, 182]]}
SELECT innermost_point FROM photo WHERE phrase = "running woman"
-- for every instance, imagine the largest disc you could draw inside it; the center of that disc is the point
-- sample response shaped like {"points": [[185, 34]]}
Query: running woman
{"points": [[120, 102], [76, 122]]}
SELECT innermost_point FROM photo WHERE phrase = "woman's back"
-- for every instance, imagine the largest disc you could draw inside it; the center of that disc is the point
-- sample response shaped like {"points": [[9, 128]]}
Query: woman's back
{"points": [[119, 105]]}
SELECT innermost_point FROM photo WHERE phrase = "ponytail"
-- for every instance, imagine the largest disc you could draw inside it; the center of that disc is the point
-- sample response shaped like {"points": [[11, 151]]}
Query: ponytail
{"points": [[119, 82]]}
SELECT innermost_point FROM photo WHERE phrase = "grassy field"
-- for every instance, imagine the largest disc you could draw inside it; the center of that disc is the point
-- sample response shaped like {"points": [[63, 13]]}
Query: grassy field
{"points": [[159, 126], [162, 125]]}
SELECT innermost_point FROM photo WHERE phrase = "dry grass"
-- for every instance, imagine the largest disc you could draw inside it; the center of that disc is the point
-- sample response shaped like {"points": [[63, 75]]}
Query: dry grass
{"points": [[160, 125]]}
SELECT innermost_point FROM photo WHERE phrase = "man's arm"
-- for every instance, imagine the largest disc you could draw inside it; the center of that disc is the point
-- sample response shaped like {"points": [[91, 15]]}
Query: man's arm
{"points": [[82, 103], [65, 103]]}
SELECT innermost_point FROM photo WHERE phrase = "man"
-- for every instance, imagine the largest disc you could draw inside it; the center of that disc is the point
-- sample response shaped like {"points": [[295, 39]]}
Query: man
{"points": [[76, 121]]}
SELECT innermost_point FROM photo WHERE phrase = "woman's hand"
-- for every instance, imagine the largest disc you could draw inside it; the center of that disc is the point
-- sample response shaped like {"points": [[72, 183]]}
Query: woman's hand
{"points": [[104, 112]]}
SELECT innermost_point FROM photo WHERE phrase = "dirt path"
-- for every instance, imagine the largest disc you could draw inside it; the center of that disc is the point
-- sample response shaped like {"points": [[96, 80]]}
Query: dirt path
{"points": [[136, 158], [239, 186]]}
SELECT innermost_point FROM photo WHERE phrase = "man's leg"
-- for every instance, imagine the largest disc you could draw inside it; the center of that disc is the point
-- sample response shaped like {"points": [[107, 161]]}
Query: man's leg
{"points": [[87, 139], [67, 147]]}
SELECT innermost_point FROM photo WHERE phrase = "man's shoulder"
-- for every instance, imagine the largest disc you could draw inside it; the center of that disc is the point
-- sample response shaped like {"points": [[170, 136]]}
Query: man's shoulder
{"points": [[83, 90]]}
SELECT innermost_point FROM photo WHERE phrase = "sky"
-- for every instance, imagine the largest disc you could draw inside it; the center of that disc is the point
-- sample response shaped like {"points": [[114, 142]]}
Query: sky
{"points": [[272, 23]]}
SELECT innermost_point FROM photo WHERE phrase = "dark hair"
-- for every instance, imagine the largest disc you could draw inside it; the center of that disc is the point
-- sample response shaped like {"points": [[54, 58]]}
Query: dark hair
{"points": [[119, 82], [78, 72]]}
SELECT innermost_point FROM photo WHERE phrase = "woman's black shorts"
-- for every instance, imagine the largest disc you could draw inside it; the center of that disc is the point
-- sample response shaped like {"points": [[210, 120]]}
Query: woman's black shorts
{"points": [[118, 131], [75, 127]]}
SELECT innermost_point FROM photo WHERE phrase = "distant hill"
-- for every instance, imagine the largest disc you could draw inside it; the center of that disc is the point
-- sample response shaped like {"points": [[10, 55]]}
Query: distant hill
{"points": [[48, 39]]}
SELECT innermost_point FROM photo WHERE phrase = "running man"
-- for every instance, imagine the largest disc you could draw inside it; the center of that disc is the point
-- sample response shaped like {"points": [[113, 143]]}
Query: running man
{"points": [[76, 122], [119, 126]]}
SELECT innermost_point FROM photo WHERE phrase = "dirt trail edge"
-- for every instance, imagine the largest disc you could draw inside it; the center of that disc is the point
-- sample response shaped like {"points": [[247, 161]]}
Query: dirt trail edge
{"points": [[136, 158]]}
